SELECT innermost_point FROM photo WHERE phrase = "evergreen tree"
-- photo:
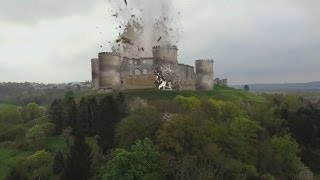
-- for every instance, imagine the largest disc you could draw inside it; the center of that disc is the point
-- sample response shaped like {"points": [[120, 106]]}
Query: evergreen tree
{"points": [[83, 116], [93, 114], [72, 115], [246, 88], [109, 116], [58, 163], [78, 164], [57, 115], [122, 105]]}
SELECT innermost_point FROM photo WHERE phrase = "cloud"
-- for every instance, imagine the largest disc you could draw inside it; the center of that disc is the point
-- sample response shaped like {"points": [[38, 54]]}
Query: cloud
{"points": [[250, 41], [32, 11]]}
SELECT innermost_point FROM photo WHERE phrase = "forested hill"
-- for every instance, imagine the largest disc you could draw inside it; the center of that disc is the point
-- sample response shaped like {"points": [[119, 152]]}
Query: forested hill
{"points": [[221, 134], [284, 87], [23, 93]]}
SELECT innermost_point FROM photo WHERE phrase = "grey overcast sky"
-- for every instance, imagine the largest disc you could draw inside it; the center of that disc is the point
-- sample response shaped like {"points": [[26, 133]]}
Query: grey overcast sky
{"points": [[251, 41]]}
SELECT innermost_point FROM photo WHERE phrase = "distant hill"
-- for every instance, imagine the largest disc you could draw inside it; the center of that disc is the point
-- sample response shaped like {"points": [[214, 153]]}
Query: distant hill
{"points": [[42, 94], [284, 87]]}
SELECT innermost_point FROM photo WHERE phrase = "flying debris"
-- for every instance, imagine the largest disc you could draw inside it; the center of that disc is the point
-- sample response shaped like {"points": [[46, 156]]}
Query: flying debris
{"points": [[142, 49], [101, 46], [159, 38], [116, 15], [119, 26], [125, 1], [126, 40]]}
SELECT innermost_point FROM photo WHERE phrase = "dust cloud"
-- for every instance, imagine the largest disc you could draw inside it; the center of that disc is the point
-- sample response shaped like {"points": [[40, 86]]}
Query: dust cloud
{"points": [[143, 24]]}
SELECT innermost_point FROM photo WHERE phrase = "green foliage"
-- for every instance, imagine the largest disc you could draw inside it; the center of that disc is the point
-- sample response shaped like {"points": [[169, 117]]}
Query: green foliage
{"points": [[140, 162], [57, 115], [39, 158], [136, 104], [41, 120], [78, 163], [48, 128], [288, 149], [31, 111], [8, 160], [203, 146], [66, 134], [141, 124], [36, 136], [219, 134], [34, 166], [56, 143], [108, 117], [188, 103], [58, 163], [9, 116]]}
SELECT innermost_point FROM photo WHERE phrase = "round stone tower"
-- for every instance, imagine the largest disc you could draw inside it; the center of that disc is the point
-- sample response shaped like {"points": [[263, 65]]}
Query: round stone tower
{"points": [[204, 75], [95, 70], [169, 54], [109, 64]]}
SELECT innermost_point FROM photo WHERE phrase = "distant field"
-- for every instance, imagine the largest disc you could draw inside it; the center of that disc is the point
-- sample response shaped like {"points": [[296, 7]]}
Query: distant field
{"points": [[5, 105]]}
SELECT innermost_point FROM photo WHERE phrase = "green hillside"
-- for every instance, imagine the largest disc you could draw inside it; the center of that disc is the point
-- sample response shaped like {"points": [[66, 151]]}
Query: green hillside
{"points": [[219, 134], [219, 92]]}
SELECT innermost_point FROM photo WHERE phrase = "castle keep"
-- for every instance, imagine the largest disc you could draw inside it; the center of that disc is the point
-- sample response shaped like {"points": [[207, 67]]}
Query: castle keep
{"points": [[112, 72]]}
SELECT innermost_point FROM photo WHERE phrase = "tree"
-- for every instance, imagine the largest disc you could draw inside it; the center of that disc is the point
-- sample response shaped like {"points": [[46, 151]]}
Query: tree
{"points": [[140, 162], [246, 88], [188, 103], [58, 164], [67, 133], [288, 150], [141, 124], [78, 164], [36, 136], [72, 115], [84, 116], [31, 112], [57, 115], [109, 116], [15, 174]]}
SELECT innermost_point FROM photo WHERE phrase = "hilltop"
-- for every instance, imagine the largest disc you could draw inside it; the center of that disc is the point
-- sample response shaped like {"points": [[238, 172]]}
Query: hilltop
{"points": [[284, 87]]}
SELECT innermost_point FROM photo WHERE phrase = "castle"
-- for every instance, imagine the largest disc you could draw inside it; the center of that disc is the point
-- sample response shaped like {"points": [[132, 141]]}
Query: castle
{"points": [[112, 72]]}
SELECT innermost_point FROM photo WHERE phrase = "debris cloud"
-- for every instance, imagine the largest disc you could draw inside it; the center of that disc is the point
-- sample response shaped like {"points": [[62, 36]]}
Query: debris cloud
{"points": [[143, 24]]}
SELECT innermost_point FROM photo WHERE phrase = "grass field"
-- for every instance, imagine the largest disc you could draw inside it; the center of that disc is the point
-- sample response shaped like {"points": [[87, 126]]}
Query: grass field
{"points": [[6, 105], [221, 93]]}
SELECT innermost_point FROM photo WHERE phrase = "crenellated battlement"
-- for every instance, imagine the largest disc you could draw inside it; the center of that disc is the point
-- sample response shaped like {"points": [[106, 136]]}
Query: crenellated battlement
{"points": [[186, 65], [165, 47], [108, 54], [204, 60]]}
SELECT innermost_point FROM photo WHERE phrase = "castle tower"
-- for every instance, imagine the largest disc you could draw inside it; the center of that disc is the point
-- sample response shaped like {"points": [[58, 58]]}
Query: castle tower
{"points": [[169, 54], [109, 64], [204, 75], [95, 70]]}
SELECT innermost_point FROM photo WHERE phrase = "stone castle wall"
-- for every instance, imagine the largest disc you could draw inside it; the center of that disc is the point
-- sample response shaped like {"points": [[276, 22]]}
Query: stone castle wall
{"points": [[137, 73], [188, 77], [112, 72]]}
